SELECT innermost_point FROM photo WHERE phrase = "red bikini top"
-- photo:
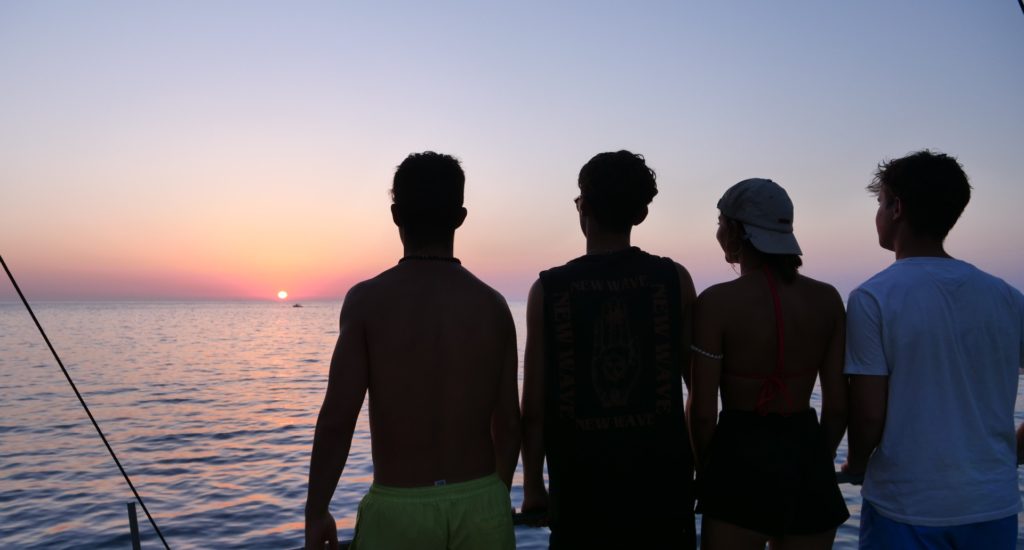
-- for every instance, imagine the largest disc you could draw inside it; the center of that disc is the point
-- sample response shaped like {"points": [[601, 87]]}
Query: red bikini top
{"points": [[774, 384]]}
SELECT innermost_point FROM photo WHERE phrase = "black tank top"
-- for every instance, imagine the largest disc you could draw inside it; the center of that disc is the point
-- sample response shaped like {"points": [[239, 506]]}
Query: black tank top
{"points": [[614, 424]]}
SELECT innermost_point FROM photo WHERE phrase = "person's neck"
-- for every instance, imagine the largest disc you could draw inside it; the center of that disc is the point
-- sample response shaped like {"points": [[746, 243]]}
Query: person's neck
{"points": [[431, 250], [917, 247], [605, 242], [607, 245], [749, 263]]}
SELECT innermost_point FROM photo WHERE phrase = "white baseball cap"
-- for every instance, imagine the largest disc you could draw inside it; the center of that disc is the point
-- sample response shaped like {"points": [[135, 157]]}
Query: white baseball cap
{"points": [[764, 209]]}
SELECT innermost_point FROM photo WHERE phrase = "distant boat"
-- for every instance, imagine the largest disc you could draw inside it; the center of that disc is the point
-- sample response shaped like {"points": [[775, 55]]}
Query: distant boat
{"points": [[296, 305]]}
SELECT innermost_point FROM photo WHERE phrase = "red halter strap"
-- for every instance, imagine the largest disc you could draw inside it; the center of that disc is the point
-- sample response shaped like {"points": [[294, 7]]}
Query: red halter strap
{"points": [[774, 385]]}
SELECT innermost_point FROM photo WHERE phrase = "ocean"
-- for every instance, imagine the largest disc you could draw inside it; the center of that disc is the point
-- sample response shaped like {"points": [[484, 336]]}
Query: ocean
{"points": [[211, 409]]}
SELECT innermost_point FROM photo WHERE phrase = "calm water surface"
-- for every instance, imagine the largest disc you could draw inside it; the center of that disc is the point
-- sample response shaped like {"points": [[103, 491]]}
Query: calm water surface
{"points": [[211, 409]]}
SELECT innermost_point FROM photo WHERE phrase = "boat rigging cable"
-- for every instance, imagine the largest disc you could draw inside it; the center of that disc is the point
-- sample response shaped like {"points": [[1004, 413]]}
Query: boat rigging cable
{"points": [[81, 400]]}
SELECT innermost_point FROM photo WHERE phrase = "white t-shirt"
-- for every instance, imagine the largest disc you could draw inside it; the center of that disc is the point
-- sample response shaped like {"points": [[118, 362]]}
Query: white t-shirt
{"points": [[950, 337]]}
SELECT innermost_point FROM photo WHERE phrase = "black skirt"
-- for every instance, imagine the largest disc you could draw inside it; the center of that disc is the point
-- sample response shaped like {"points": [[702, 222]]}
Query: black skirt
{"points": [[771, 474]]}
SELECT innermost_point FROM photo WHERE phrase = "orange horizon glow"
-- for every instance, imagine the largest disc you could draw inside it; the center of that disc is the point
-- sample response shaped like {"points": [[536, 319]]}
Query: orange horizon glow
{"points": [[180, 170]]}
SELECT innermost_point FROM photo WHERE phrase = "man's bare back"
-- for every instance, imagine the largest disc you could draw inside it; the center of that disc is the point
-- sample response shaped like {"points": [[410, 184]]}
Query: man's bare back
{"points": [[435, 348], [441, 354]]}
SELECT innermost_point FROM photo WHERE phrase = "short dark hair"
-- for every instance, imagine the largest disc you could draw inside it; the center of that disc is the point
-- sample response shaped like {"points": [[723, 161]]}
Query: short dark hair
{"points": [[931, 186], [617, 186], [428, 190]]}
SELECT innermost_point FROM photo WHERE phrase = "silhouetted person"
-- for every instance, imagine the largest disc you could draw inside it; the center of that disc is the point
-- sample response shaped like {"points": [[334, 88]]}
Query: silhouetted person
{"points": [[607, 346], [436, 349], [934, 346], [765, 466]]}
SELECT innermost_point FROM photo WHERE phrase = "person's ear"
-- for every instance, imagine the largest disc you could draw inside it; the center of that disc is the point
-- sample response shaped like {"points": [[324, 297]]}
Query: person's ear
{"points": [[583, 206], [640, 216], [897, 209], [396, 216], [460, 217]]}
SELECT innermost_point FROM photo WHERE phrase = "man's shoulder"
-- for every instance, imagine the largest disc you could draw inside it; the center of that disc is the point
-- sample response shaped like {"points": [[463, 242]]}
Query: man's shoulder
{"points": [[368, 287], [891, 273], [1001, 293], [680, 268], [999, 284], [911, 274], [893, 278], [641, 255], [634, 258], [485, 291], [360, 293], [371, 289], [572, 264], [922, 280]]}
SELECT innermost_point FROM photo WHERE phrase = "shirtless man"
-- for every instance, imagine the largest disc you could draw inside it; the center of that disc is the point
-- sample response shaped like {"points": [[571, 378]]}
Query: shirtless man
{"points": [[436, 349]]}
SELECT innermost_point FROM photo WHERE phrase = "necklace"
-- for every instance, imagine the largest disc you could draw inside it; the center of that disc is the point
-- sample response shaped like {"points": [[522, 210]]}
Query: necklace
{"points": [[432, 258]]}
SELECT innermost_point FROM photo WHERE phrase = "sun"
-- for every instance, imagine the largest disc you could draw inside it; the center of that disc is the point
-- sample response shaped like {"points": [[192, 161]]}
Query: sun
{"points": [[282, 295]]}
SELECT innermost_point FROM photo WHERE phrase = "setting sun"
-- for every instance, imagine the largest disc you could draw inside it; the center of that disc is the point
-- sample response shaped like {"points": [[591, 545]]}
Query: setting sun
{"points": [[282, 295]]}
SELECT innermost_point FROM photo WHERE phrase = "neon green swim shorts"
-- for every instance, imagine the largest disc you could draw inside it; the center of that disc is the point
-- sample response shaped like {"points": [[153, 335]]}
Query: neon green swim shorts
{"points": [[470, 515]]}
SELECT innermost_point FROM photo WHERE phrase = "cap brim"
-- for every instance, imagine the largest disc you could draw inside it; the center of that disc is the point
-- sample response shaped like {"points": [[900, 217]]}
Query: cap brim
{"points": [[773, 242]]}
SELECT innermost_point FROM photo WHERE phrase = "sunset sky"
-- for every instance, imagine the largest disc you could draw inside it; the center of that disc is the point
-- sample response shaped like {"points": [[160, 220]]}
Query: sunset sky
{"points": [[224, 150]]}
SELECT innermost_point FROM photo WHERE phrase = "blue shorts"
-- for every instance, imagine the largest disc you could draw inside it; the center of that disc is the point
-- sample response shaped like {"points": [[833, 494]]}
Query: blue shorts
{"points": [[878, 531]]}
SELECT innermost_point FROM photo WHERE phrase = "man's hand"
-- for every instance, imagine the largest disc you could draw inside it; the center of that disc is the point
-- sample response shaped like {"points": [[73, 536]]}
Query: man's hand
{"points": [[1020, 445], [321, 530], [852, 475], [535, 507]]}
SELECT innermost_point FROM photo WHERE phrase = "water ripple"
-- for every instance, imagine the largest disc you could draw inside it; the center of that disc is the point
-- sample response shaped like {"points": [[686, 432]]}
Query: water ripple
{"points": [[211, 407]]}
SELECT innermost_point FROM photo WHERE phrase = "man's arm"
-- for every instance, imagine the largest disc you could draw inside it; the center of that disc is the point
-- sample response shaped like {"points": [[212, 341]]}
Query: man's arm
{"points": [[1020, 430], [869, 397], [868, 368], [702, 403], [1020, 445], [534, 493], [346, 389], [834, 388], [689, 297], [506, 429]]}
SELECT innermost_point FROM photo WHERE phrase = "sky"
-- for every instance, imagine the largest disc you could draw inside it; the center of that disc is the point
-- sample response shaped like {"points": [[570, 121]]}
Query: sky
{"points": [[229, 150]]}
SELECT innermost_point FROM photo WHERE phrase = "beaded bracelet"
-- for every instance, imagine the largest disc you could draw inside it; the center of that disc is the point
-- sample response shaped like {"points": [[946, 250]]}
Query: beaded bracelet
{"points": [[709, 355]]}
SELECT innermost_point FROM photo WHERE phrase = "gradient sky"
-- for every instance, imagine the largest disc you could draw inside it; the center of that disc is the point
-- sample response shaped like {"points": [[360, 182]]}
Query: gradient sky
{"points": [[179, 150]]}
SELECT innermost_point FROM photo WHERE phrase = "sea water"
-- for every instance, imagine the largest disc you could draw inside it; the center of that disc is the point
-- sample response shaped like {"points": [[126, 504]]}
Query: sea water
{"points": [[210, 408]]}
